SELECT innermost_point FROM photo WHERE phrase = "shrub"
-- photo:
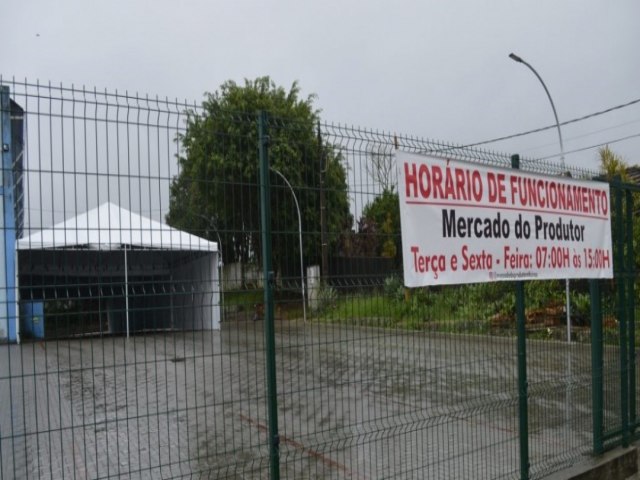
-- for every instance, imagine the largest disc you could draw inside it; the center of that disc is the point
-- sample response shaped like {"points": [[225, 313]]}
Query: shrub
{"points": [[393, 288], [327, 298]]}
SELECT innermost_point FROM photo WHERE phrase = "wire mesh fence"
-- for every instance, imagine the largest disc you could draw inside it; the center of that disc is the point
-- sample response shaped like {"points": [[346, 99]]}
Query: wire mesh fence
{"points": [[136, 340]]}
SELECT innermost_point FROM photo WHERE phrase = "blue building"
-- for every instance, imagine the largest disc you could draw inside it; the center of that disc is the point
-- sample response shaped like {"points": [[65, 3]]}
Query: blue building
{"points": [[11, 211]]}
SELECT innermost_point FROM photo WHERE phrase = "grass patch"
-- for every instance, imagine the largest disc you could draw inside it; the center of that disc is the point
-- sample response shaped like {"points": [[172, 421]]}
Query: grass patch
{"points": [[288, 303], [419, 310], [487, 308], [240, 300]]}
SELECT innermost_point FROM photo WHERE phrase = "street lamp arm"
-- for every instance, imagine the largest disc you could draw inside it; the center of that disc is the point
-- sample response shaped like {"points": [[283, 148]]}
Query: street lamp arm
{"points": [[518, 59], [295, 199], [515, 57]]}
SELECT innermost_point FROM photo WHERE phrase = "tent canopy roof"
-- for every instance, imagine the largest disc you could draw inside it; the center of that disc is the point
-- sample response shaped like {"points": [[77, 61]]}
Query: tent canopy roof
{"points": [[110, 227]]}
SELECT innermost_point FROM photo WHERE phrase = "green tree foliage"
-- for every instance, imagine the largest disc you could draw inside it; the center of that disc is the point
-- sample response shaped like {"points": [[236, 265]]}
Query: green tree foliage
{"points": [[613, 165], [217, 189], [389, 249], [382, 218]]}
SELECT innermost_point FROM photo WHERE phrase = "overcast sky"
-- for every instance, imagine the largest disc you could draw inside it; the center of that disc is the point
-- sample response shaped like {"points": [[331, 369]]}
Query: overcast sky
{"points": [[435, 69]]}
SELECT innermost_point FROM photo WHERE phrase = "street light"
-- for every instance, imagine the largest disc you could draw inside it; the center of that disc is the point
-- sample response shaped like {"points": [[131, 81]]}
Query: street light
{"points": [[518, 59], [295, 199]]}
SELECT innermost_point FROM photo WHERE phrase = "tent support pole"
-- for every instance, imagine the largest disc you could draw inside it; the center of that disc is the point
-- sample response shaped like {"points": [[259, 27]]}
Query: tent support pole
{"points": [[171, 287]]}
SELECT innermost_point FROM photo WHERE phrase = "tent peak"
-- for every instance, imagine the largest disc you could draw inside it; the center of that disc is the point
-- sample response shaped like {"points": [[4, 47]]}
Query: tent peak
{"points": [[110, 226]]}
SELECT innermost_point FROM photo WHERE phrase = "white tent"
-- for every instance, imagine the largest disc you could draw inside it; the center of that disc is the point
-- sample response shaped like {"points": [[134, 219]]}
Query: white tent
{"points": [[112, 242], [111, 226]]}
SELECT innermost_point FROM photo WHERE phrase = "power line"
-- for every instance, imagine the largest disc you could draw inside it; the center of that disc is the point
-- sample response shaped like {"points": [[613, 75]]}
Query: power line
{"points": [[542, 129], [593, 132], [592, 146]]}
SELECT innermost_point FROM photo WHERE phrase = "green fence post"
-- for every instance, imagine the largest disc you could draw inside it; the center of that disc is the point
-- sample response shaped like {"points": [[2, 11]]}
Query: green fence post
{"points": [[597, 388], [622, 311], [631, 324], [523, 407], [267, 268]]}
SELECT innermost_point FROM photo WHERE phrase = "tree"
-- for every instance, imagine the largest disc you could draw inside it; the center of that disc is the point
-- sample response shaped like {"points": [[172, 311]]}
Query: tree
{"points": [[379, 226], [613, 165], [382, 218], [217, 189], [381, 167]]}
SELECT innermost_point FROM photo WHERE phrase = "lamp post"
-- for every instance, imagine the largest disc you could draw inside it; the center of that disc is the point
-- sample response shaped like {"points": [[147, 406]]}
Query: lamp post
{"points": [[518, 59], [295, 199]]}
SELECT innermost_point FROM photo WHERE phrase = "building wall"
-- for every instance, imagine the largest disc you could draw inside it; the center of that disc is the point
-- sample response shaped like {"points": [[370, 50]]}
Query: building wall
{"points": [[11, 127], [4, 308]]}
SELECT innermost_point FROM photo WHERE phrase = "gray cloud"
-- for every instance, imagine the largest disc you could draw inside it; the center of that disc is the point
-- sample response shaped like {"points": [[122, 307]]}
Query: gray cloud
{"points": [[432, 69]]}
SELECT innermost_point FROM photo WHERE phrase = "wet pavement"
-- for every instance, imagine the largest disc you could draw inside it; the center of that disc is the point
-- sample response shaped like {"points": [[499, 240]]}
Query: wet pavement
{"points": [[353, 402]]}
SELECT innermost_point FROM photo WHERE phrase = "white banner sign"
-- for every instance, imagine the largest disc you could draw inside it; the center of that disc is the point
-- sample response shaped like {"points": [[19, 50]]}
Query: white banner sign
{"points": [[466, 223]]}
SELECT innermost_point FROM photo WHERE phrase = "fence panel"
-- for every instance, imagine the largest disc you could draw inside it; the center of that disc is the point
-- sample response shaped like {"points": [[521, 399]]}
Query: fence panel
{"points": [[619, 339], [142, 349], [560, 381], [123, 370], [382, 382]]}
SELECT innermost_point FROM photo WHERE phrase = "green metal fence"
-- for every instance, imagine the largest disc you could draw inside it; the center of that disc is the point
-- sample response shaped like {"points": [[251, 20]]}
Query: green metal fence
{"points": [[615, 375], [269, 334]]}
